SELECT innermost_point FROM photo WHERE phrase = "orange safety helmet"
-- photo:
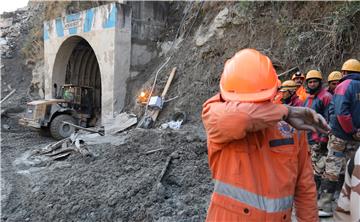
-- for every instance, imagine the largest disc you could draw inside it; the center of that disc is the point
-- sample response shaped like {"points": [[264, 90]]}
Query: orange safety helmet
{"points": [[248, 76]]}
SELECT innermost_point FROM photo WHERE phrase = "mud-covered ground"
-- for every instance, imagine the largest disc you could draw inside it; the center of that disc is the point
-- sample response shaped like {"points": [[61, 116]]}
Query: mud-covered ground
{"points": [[121, 182]]}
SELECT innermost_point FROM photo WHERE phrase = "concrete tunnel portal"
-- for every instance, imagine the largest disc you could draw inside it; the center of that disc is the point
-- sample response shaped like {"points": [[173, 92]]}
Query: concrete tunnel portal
{"points": [[101, 47], [76, 64], [91, 48]]}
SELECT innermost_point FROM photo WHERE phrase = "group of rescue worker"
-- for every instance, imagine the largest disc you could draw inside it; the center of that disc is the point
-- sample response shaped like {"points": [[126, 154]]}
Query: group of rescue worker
{"points": [[336, 103], [273, 146]]}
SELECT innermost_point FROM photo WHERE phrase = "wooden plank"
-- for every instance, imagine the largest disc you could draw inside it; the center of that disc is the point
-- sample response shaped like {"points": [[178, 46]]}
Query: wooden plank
{"points": [[171, 77], [156, 113], [54, 146]]}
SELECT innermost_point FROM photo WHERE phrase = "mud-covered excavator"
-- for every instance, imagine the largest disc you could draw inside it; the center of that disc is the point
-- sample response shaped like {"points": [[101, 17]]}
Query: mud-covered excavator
{"points": [[75, 106]]}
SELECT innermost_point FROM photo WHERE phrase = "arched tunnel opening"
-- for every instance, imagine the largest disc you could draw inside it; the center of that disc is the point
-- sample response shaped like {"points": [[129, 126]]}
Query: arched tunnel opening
{"points": [[83, 70]]}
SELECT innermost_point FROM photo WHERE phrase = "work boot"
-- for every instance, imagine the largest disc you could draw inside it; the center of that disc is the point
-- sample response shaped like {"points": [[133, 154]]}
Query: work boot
{"points": [[325, 204], [327, 191]]}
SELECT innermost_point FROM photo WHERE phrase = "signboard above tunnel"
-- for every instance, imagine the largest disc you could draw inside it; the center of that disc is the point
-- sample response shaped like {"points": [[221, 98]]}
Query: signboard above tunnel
{"points": [[94, 19], [69, 41]]}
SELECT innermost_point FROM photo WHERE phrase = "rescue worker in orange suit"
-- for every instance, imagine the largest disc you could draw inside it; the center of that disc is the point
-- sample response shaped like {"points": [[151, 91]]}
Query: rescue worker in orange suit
{"points": [[289, 97], [299, 78], [319, 100], [333, 80], [260, 164]]}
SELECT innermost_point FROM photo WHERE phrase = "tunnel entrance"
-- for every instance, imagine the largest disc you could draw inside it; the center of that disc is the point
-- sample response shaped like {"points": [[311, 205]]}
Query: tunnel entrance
{"points": [[83, 70], [91, 48]]}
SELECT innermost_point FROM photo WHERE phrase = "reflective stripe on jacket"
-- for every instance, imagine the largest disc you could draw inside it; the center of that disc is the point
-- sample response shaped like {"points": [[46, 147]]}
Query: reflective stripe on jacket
{"points": [[260, 166]]}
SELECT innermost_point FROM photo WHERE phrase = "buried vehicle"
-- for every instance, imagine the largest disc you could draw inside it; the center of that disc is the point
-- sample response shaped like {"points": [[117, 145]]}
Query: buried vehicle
{"points": [[75, 106]]}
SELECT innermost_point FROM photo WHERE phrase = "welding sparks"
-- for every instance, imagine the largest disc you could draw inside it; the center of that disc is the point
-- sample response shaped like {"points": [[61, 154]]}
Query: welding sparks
{"points": [[143, 97]]}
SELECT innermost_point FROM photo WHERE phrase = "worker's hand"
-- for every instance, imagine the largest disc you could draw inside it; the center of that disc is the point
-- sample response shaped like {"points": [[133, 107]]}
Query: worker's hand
{"points": [[356, 136], [303, 118]]}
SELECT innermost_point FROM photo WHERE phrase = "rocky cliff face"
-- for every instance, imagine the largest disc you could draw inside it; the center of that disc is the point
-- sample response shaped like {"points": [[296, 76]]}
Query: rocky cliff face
{"points": [[14, 28], [12, 25]]}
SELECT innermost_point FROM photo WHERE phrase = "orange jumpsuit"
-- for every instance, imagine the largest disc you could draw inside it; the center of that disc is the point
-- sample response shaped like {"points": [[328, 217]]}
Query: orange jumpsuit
{"points": [[260, 165], [301, 93]]}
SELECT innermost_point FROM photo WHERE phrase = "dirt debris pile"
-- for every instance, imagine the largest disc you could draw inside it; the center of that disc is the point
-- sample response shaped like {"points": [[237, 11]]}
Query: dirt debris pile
{"points": [[121, 183]]}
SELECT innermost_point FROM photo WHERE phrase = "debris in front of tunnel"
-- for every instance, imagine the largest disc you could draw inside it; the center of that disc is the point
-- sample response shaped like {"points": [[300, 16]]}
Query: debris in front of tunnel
{"points": [[177, 119], [121, 122], [100, 131], [49, 148], [63, 148], [175, 125]]}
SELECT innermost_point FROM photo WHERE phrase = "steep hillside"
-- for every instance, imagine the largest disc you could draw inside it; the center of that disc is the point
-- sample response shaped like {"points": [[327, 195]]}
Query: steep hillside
{"points": [[310, 35]]}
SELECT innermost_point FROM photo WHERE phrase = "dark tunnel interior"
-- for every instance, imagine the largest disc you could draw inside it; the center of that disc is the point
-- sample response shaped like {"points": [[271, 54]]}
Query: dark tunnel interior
{"points": [[83, 70]]}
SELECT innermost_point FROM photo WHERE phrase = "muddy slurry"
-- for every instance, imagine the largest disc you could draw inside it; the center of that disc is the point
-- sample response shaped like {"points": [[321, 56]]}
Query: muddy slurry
{"points": [[123, 181]]}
